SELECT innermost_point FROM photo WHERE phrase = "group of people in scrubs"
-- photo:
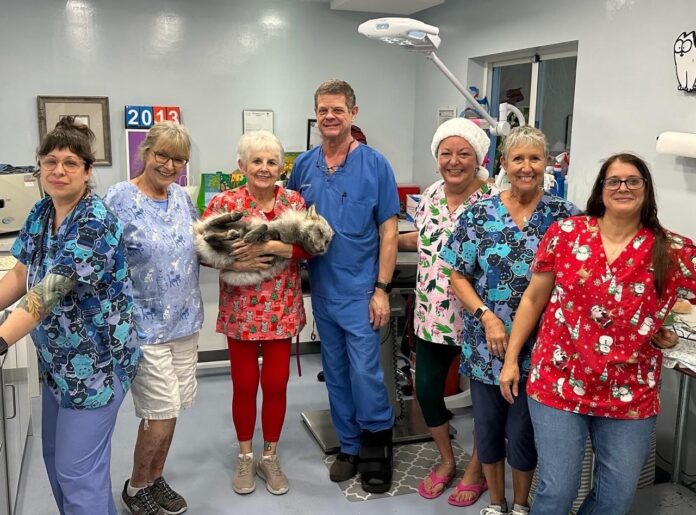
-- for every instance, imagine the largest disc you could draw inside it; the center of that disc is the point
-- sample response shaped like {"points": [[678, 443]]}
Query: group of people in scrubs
{"points": [[109, 291]]}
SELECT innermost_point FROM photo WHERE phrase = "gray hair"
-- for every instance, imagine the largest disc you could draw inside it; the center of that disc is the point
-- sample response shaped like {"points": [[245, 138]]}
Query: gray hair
{"points": [[525, 136], [335, 87], [255, 141]]}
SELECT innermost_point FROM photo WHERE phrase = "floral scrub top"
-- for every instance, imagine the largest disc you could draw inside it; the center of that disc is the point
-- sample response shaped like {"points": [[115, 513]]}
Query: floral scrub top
{"points": [[439, 315], [162, 259], [87, 339], [593, 353], [273, 309], [488, 246]]}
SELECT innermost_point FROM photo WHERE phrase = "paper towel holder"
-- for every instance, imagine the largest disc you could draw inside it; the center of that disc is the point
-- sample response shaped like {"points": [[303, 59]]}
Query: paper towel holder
{"points": [[676, 143]]}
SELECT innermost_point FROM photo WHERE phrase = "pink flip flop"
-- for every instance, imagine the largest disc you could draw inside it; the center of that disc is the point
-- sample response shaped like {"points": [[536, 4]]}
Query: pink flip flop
{"points": [[461, 487], [434, 481]]}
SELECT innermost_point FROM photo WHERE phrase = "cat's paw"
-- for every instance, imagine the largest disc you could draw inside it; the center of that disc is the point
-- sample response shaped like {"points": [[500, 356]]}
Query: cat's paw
{"points": [[257, 234], [222, 221]]}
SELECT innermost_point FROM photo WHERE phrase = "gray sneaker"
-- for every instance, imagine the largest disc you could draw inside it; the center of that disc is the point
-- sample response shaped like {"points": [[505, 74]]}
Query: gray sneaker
{"points": [[142, 503], [269, 470], [244, 481], [171, 502]]}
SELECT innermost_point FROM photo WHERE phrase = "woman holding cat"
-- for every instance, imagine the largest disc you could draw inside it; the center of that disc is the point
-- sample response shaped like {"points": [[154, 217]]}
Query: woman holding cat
{"points": [[265, 315]]}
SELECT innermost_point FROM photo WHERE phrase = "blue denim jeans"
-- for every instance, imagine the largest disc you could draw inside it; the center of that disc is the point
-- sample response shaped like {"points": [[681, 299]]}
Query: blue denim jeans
{"points": [[621, 448]]}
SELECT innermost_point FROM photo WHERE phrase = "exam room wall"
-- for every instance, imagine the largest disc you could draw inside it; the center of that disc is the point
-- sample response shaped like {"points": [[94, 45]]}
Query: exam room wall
{"points": [[626, 87], [212, 58], [625, 95]]}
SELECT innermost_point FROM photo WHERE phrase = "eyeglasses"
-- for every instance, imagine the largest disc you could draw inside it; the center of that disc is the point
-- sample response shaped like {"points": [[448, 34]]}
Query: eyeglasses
{"points": [[632, 183], [70, 165], [163, 159]]}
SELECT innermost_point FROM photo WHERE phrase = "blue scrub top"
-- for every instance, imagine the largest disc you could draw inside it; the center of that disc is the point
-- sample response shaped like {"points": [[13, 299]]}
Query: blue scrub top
{"points": [[356, 199]]}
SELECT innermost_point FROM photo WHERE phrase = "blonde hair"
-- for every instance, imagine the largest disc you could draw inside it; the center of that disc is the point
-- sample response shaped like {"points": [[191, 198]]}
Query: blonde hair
{"points": [[525, 136], [171, 136]]}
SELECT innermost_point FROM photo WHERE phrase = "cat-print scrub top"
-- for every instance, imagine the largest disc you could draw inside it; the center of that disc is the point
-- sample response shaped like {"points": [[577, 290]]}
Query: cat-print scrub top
{"points": [[274, 308], [162, 259], [593, 353], [439, 315], [488, 246]]}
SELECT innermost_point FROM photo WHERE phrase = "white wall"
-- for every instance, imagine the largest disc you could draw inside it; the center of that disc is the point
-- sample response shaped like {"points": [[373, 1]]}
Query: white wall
{"points": [[626, 94], [626, 89], [213, 58]]}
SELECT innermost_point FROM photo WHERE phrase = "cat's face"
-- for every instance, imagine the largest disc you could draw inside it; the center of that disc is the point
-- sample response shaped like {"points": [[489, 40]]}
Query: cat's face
{"points": [[685, 43], [319, 233]]}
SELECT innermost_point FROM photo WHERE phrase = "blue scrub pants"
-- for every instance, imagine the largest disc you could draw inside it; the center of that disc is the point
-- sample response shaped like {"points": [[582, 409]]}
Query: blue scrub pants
{"points": [[77, 454], [354, 377]]}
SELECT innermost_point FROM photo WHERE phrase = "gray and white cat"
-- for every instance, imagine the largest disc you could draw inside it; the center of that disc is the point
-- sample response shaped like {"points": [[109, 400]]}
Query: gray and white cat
{"points": [[216, 235], [685, 60]]}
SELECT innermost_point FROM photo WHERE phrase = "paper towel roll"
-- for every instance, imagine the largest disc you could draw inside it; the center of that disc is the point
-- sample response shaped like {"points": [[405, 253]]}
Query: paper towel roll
{"points": [[677, 143]]}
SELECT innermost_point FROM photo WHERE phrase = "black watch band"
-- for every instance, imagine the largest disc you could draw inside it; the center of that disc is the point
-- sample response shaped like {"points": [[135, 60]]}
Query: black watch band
{"points": [[3, 346], [383, 286]]}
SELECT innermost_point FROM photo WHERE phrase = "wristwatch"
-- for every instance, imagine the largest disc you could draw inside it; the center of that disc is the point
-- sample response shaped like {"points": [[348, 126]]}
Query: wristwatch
{"points": [[480, 311], [3, 346], [387, 287]]}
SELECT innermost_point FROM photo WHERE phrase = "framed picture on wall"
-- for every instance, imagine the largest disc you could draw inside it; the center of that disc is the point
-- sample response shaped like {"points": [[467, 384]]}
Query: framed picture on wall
{"points": [[313, 134], [257, 119], [92, 111], [134, 165]]}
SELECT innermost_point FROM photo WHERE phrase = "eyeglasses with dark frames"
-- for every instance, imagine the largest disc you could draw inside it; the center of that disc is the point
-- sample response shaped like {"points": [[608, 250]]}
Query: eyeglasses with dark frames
{"points": [[632, 183], [163, 159]]}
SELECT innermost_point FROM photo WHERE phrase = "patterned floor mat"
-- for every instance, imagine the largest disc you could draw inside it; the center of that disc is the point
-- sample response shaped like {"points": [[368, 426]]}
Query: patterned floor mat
{"points": [[411, 464]]}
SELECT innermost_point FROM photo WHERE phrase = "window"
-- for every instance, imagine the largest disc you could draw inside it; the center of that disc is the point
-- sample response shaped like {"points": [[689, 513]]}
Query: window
{"points": [[539, 82]]}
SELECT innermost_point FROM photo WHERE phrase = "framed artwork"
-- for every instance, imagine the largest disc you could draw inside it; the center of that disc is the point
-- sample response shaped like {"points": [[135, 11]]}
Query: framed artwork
{"points": [[134, 165], [92, 111], [257, 119], [313, 134]]}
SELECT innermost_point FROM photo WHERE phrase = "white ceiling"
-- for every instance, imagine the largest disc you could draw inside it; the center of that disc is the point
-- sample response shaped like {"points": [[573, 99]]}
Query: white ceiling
{"points": [[400, 7]]}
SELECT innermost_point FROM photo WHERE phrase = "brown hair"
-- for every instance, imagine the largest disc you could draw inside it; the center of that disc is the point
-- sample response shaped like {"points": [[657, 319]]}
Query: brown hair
{"points": [[335, 87], [661, 258], [76, 137]]}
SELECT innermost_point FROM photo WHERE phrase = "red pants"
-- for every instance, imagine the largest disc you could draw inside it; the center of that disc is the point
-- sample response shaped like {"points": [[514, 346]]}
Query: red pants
{"points": [[274, 375]]}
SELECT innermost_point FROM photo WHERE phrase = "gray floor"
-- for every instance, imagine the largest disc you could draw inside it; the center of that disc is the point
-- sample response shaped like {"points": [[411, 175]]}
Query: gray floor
{"points": [[202, 457], [201, 461]]}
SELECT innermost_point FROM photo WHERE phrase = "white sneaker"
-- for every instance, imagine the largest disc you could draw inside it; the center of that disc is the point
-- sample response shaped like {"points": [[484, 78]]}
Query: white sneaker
{"points": [[518, 509], [494, 509]]}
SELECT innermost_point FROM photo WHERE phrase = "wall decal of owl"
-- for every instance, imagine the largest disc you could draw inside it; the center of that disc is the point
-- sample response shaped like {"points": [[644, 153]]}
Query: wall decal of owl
{"points": [[685, 61]]}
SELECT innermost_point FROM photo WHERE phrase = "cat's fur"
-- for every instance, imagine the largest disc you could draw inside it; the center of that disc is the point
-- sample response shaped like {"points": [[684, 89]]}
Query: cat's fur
{"points": [[216, 235]]}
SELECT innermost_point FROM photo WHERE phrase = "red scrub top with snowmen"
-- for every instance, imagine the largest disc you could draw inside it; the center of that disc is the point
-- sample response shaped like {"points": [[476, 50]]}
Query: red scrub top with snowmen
{"points": [[593, 353]]}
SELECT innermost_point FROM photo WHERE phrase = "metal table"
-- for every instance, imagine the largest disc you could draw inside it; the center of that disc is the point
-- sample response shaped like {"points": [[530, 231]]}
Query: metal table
{"points": [[673, 497]]}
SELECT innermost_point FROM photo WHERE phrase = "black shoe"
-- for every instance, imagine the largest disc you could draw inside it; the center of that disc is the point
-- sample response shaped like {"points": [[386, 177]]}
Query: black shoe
{"points": [[344, 468], [376, 461], [141, 503]]}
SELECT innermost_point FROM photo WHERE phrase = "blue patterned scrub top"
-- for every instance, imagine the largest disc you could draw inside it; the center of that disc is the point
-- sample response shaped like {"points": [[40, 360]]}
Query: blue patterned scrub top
{"points": [[87, 339], [488, 246], [162, 260]]}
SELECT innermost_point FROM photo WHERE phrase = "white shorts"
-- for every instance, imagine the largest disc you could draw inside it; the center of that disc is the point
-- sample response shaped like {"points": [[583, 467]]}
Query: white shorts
{"points": [[166, 379]]}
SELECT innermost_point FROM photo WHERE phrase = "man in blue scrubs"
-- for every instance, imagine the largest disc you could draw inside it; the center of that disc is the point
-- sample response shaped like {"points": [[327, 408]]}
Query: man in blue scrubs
{"points": [[353, 187]]}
